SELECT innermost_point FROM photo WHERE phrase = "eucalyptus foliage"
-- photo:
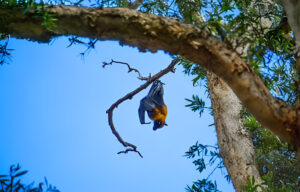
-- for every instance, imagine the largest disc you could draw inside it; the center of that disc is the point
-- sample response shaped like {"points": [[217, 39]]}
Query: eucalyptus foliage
{"points": [[12, 182]]}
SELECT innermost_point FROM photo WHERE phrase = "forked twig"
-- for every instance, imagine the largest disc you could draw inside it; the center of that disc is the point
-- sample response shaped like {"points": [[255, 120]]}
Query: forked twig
{"points": [[132, 147], [129, 69]]}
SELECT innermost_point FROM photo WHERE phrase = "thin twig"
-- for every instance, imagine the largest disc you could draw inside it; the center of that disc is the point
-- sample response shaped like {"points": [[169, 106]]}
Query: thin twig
{"points": [[132, 147], [129, 69], [218, 166]]}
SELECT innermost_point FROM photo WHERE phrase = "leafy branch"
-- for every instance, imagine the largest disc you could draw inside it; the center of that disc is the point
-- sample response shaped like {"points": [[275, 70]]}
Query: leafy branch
{"points": [[12, 182]]}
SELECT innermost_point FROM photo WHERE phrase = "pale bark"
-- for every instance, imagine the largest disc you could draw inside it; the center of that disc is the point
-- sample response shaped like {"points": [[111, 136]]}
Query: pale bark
{"points": [[235, 143], [156, 33]]}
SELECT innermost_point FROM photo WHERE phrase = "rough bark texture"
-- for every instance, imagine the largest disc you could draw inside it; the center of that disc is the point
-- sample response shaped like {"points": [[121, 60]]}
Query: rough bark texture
{"points": [[236, 150], [156, 33], [235, 143]]}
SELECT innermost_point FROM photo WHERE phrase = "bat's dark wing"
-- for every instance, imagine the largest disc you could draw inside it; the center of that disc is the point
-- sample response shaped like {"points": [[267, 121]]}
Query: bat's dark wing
{"points": [[156, 93], [146, 104], [154, 99]]}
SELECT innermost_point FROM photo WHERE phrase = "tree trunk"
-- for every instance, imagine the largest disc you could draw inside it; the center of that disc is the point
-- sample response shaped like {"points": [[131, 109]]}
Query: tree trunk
{"points": [[235, 143]]}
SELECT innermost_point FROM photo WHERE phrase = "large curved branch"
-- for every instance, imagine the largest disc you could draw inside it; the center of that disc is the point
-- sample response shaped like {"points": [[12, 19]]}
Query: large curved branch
{"points": [[151, 32]]}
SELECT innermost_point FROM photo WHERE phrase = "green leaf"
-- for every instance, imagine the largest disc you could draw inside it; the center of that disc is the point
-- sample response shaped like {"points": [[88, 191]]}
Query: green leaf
{"points": [[21, 173]]}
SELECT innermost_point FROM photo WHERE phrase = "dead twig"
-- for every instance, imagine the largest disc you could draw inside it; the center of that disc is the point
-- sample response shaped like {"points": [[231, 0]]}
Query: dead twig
{"points": [[129, 69], [132, 147]]}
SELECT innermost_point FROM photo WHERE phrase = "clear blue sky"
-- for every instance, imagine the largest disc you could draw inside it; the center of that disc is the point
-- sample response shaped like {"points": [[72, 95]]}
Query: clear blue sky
{"points": [[53, 120]]}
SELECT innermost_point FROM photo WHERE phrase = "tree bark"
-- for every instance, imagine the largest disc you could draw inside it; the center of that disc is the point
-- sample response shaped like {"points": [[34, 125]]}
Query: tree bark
{"points": [[236, 150], [157, 33], [235, 143]]}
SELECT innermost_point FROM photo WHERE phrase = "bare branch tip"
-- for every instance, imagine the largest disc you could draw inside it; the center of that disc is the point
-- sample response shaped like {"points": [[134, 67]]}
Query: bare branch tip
{"points": [[131, 149]]}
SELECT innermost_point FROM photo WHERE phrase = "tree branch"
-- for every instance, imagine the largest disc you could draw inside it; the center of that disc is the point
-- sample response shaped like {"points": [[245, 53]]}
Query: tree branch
{"points": [[151, 32], [132, 147], [140, 77]]}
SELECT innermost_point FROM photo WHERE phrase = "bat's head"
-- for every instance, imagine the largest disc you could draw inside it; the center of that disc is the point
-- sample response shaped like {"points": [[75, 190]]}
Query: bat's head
{"points": [[158, 125]]}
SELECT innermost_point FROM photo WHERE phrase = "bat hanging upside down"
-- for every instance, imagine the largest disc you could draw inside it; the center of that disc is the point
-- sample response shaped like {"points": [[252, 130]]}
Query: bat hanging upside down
{"points": [[154, 104]]}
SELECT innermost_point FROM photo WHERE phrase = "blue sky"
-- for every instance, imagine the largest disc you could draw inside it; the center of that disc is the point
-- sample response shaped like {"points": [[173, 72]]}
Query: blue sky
{"points": [[53, 120]]}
